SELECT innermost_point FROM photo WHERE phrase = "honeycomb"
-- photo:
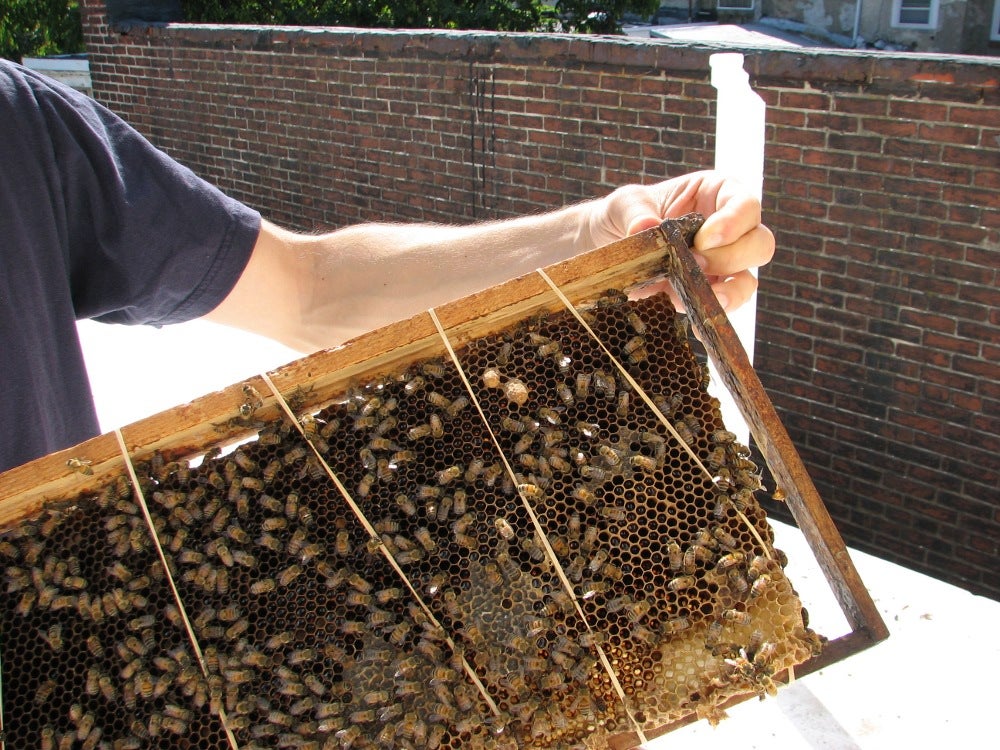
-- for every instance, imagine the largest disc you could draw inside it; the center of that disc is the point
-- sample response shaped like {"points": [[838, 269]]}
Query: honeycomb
{"points": [[532, 559]]}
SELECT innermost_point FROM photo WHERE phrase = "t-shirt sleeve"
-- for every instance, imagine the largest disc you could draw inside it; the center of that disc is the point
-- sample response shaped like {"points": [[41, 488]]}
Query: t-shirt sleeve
{"points": [[146, 240]]}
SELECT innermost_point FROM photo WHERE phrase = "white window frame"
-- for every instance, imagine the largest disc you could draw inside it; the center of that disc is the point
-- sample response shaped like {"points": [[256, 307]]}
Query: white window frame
{"points": [[745, 6], [932, 16], [995, 28]]}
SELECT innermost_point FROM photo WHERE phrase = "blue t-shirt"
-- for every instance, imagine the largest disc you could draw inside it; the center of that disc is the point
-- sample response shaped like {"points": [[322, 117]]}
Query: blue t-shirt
{"points": [[94, 223]]}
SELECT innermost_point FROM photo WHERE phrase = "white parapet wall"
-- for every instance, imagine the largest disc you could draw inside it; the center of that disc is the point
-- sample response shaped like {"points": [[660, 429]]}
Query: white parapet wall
{"points": [[72, 70]]}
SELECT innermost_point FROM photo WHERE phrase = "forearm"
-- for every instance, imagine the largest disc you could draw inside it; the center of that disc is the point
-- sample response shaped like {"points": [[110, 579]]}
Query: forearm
{"points": [[311, 292]]}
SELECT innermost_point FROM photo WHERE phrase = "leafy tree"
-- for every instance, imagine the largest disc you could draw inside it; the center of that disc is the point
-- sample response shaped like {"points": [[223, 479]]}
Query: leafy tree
{"points": [[31, 28], [501, 15], [601, 16]]}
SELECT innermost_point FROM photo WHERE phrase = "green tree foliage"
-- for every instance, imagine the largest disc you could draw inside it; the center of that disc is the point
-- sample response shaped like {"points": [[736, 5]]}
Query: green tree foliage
{"points": [[501, 15], [601, 16], [586, 16], [30, 28]]}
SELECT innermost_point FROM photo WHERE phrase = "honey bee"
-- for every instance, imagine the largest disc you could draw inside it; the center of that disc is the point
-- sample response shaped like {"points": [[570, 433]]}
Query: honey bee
{"points": [[635, 349], [604, 384], [342, 543], [701, 553], [637, 324], [365, 485], [53, 637], [725, 538], [582, 493], [492, 473], [610, 455], [251, 401], [674, 555], [760, 584], [491, 377], [492, 575], [683, 431], [515, 426], [295, 455], [504, 528], [530, 491], [520, 450], [378, 443], [736, 616], [384, 596], [271, 471], [289, 574], [419, 432], [644, 463], [74, 583], [722, 437], [437, 400], [565, 394], [459, 502], [763, 656], [401, 457], [255, 658], [80, 465], [269, 541], [749, 480], [614, 513], [554, 681], [737, 581], [446, 476], [730, 559], [357, 599], [680, 583], [301, 656], [224, 555]]}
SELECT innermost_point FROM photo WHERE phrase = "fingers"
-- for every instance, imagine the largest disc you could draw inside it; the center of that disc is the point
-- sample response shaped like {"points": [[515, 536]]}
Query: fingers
{"points": [[751, 249], [732, 291], [735, 213], [731, 240]]}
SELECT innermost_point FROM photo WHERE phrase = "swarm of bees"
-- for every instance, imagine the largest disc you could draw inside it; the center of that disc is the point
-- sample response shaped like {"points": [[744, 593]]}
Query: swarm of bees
{"points": [[558, 573]]}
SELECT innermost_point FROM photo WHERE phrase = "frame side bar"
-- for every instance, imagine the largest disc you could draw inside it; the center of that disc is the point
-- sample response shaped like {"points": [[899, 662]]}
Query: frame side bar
{"points": [[713, 328]]}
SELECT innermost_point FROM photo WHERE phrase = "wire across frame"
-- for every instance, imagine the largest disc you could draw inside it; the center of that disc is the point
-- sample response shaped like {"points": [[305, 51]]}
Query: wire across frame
{"points": [[263, 400]]}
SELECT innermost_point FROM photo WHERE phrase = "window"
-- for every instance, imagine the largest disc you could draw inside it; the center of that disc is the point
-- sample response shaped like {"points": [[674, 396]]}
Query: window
{"points": [[737, 4], [995, 28], [915, 14]]}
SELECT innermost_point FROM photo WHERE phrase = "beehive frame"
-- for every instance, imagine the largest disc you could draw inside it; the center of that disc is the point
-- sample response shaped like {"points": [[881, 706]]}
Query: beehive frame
{"points": [[315, 381]]}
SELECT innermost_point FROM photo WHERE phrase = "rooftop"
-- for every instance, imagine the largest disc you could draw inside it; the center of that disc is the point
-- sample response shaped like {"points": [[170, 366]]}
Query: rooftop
{"points": [[767, 33]]}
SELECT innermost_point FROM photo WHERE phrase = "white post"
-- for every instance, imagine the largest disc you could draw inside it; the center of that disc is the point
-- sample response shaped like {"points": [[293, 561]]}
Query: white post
{"points": [[739, 153]]}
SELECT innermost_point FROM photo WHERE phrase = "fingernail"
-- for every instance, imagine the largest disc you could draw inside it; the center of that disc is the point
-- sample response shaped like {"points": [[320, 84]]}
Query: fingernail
{"points": [[701, 260], [723, 301]]}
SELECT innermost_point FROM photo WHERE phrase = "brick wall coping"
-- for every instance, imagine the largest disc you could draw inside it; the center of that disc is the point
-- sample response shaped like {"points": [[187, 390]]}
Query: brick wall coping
{"points": [[823, 66]]}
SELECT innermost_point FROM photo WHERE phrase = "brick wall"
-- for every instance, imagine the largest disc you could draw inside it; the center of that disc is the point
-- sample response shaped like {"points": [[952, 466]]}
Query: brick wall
{"points": [[877, 330]]}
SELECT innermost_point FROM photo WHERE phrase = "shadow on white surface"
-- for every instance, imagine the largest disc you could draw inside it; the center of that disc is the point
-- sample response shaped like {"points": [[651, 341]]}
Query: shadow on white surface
{"points": [[138, 371]]}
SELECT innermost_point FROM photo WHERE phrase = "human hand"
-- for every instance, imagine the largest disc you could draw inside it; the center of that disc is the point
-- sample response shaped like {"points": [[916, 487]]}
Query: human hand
{"points": [[731, 241]]}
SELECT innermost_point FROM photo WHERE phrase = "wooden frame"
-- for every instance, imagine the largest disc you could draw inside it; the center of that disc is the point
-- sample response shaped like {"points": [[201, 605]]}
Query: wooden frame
{"points": [[310, 383]]}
